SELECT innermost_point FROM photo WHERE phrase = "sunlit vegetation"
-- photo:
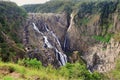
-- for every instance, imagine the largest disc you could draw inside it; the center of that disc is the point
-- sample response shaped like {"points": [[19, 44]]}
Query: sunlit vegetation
{"points": [[32, 69], [12, 16], [105, 38], [115, 74]]}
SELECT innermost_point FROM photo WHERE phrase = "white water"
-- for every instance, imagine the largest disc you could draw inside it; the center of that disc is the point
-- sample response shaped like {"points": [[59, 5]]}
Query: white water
{"points": [[61, 57], [53, 35], [47, 42], [65, 42], [46, 28], [35, 27], [71, 22], [56, 38]]}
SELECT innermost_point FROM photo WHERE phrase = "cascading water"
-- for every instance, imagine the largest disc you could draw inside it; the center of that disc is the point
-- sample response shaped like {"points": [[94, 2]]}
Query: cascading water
{"points": [[56, 38], [47, 42], [53, 35], [35, 27], [61, 57], [65, 43]]}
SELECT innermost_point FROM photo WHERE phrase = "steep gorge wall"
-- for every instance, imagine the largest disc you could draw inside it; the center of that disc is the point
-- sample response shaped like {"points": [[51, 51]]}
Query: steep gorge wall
{"points": [[99, 55], [99, 51], [43, 36], [93, 31]]}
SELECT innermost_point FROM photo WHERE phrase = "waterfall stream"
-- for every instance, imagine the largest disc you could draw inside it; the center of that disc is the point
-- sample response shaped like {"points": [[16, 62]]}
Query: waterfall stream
{"points": [[35, 27], [60, 56]]}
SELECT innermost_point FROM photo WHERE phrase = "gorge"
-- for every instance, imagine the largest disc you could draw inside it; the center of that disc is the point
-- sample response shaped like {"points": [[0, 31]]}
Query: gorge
{"points": [[64, 35]]}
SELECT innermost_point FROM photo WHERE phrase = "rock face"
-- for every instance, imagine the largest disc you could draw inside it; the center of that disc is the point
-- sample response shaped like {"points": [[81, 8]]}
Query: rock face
{"points": [[102, 56], [48, 35], [43, 37], [99, 55]]}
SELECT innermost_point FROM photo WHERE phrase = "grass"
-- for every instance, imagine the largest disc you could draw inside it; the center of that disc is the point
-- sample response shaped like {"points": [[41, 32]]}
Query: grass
{"points": [[23, 71], [29, 73]]}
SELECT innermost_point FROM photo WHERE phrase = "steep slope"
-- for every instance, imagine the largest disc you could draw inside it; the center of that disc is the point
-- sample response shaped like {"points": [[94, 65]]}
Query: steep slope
{"points": [[92, 28], [11, 17], [43, 36], [93, 31]]}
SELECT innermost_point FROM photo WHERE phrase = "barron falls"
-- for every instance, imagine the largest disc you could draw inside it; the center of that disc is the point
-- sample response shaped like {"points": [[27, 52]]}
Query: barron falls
{"points": [[48, 36], [70, 38], [42, 39]]}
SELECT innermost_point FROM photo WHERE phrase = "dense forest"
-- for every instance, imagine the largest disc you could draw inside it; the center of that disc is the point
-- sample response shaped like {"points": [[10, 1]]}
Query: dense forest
{"points": [[11, 17], [61, 5]]}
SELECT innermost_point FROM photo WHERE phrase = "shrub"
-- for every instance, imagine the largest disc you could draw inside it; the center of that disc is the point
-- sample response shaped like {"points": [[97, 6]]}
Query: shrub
{"points": [[34, 63], [105, 38], [78, 71], [8, 78]]}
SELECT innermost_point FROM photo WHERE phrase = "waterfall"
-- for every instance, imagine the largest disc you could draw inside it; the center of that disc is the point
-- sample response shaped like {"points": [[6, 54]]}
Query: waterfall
{"points": [[53, 35], [46, 28], [47, 42], [35, 27], [65, 43], [56, 38], [61, 57]]}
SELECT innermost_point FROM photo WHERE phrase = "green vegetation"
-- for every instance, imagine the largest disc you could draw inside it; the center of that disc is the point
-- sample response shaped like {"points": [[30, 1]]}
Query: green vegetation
{"points": [[105, 38], [115, 74], [58, 6], [117, 37], [27, 71], [85, 9], [30, 63], [11, 18]]}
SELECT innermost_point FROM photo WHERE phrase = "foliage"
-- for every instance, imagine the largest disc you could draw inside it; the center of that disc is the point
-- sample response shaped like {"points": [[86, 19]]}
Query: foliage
{"points": [[58, 5], [117, 37], [30, 63], [6, 52], [78, 71], [75, 71], [8, 78], [11, 17], [115, 73], [105, 38]]}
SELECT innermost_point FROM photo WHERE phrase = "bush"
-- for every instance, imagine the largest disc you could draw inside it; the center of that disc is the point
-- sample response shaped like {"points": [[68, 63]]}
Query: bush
{"points": [[78, 71], [34, 63], [8, 78], [105, 38]]}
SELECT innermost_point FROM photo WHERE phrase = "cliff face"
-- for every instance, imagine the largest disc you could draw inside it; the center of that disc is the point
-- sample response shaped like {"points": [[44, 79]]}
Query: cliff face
{"points": [[93, 30], [98, 48], [44, 37], [47, 36]]}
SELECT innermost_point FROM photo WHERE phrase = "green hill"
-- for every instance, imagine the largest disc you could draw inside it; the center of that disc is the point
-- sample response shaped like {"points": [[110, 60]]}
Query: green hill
{"points": [[11, 18]]}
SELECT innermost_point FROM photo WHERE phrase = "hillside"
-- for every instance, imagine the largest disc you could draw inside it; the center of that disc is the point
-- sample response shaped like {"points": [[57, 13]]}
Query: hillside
{"points": [[11, 17], [61, 39], [92, 29]]}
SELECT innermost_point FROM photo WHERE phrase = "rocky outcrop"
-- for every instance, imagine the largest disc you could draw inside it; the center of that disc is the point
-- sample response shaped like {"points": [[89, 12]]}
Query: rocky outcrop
{"points": [[98, 55], [43, 37], [47, 36], [102, 57]]}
